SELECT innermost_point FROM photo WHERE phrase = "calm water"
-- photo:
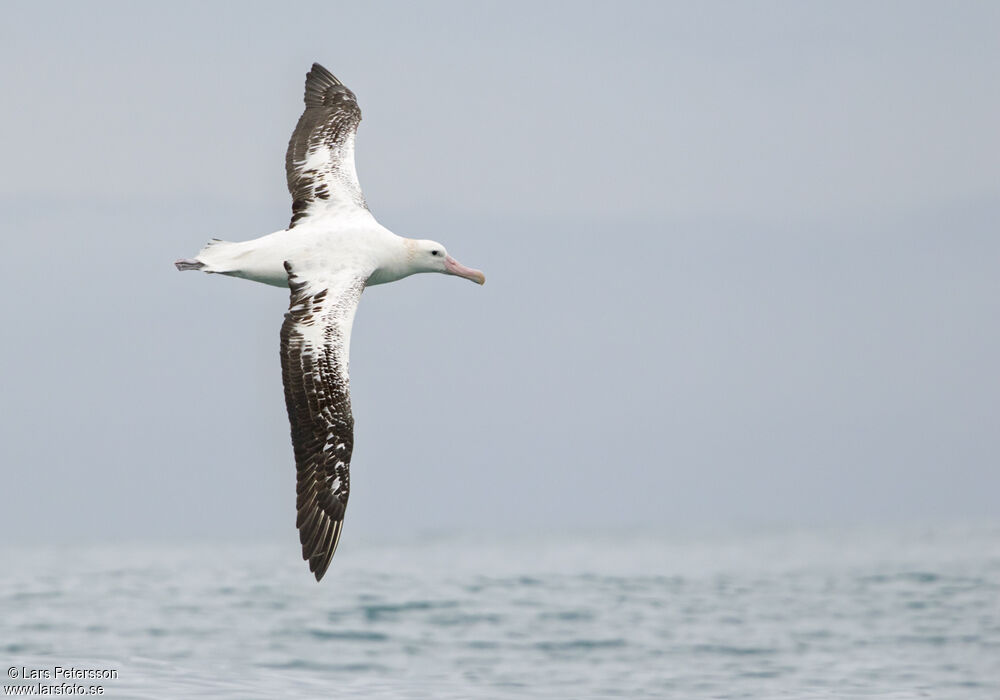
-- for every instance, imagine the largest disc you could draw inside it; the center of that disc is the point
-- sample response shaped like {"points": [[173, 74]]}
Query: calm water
{"points": [[799, 615]]}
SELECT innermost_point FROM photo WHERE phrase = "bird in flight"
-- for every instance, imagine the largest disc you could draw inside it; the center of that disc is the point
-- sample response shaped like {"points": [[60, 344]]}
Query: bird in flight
{"points": [[332, 249]]}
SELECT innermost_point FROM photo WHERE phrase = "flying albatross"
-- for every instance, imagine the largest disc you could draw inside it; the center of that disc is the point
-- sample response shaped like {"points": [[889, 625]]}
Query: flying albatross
{"points": [[332, 249]]}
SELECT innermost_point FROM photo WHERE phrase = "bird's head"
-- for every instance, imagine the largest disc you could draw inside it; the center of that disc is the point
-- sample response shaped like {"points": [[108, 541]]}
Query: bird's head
{"points": [[430, 256]]}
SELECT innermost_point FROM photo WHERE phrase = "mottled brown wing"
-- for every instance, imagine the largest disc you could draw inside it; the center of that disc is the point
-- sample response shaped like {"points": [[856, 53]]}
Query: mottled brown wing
{"points": [[315, 344], [319, 163]]}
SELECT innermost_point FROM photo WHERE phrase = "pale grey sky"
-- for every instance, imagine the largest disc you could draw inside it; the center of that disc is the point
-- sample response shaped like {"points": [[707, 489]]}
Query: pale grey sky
{"points": [[742, 261]]}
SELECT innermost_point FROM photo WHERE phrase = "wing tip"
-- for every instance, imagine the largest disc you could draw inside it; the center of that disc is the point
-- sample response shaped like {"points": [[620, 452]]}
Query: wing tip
{"points": [[324, 550], [318, 81], [321, 71], [319, 572]]}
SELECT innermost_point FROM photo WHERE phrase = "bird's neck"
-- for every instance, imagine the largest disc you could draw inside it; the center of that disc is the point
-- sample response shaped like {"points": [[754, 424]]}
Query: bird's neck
{"points": [[396, 261]]}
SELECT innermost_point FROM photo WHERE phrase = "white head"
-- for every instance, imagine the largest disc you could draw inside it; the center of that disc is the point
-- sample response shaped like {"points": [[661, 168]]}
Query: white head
{"points": [[430, 256]]}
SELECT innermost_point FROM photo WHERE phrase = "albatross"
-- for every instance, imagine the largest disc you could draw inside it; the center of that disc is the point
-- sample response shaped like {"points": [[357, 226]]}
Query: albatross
{"points": [[332, 249]]}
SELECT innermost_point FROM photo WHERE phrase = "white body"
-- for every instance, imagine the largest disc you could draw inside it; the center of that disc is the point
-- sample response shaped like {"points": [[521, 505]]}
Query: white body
{"points": [[346, 238]]}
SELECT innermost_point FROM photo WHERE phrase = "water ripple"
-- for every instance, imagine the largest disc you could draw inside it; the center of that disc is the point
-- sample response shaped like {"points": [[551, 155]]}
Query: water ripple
{"points": [[797, 616]]}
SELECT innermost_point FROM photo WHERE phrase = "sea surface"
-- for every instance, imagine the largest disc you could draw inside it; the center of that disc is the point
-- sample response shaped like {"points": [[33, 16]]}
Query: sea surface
{"points": [[866, 613]]}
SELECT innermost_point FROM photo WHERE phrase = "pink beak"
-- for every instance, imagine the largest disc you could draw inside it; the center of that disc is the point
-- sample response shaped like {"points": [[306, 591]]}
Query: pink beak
{"points": [[454, 267]]}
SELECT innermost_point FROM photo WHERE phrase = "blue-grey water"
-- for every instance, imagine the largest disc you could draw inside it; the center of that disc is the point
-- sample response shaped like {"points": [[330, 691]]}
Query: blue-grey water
{"points": [[819, 614]]}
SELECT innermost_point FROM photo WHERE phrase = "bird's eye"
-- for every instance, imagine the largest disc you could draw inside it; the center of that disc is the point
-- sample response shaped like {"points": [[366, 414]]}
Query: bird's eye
{"points": [[435, 252]]}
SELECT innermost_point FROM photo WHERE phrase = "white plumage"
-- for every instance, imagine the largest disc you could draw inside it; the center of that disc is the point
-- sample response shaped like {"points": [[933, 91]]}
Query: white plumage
{"points": [[332, 249]]}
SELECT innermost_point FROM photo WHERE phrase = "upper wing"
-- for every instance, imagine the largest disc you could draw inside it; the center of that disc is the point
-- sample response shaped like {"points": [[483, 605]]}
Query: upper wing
{"points": [[319, 163], [315, 342]]}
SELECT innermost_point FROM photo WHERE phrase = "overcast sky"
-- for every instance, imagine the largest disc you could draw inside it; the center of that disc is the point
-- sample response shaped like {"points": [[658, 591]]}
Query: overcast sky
{"points": [[743, 263]]}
